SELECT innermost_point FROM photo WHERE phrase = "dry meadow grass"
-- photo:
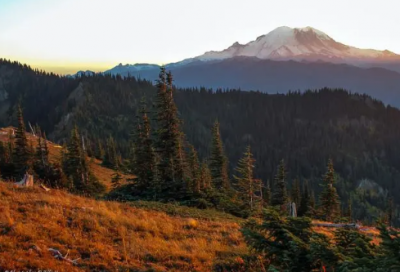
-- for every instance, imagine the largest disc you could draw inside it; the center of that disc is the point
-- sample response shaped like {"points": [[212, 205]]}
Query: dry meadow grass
{"points": [[106, 236], [112, 236]]}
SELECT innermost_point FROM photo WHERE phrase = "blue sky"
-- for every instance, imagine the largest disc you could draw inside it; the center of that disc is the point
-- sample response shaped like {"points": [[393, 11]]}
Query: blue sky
{"points": [[69, 35]]}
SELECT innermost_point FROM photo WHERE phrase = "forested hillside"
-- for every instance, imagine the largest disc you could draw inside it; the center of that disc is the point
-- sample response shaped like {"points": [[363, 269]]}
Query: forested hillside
{"points": [[305, 129], [272, 77]]}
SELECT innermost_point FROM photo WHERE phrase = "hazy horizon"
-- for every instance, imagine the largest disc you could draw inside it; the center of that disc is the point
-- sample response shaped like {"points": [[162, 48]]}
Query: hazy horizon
{"points": [[71, 35]]}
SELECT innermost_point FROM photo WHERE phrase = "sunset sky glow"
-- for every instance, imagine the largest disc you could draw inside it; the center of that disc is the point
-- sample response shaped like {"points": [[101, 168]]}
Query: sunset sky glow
{"points": [[64, 36]]}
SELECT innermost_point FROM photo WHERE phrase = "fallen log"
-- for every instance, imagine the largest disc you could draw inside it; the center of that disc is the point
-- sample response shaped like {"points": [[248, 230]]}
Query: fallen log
{"points": [[332, 225], [44, 188], [57, 254]]}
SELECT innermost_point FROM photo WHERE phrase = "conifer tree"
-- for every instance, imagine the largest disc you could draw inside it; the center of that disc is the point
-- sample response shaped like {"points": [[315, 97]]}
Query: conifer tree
{"points": [[284, 243], [46, 151], [136, 139], [99, 151], [218, 161], [267, 194], [11, 144], [42, 151], [110, 155], [147, 147], [10, 147], [40, 161], [181, 171], [178, 137], [73, 160], [194, 166], [22, 155], [296, 193], [279, 193], [169, 144], [305, 203], [7, 169], [64, 158], [144, 163], [87, 143], [349, 213], [77, 167], [116, 179], [389, 248], [312, 202], [329, 199], [205, 176], [356, 251], [245, 183], [107, 157], [163, 144], [50, 173], [39, 147], [3, 154]]}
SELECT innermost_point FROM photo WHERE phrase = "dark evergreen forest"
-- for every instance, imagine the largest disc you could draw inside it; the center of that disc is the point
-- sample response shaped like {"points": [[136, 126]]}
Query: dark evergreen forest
{"points": [[359, 133]]}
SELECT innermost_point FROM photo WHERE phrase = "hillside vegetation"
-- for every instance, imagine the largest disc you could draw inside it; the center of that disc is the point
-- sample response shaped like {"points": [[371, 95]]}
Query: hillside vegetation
{"points": [[307, 133], [103, 174], [359, 133], [108, 236]]}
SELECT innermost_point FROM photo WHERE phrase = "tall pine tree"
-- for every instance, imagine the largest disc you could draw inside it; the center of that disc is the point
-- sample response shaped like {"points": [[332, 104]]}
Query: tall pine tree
{"points": [[279, 193], [205, 176], [77, 167], [267, 194], [307, 201], [194, 166], [169, 143], [218, 161], [245, 182], [329, 199], [73, 161], [99, 150], [22, 155], [296, 193], [110, 155], [143, 156], [42, 152]]}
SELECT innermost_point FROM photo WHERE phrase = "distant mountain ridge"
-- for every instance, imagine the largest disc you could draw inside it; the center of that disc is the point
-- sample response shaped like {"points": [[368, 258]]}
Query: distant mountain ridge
{"points": [[282, 60], [285, 43], [270, 76]]}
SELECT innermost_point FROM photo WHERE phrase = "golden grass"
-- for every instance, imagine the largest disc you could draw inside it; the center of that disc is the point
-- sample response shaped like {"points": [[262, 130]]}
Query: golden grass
{"points": [[107, 236], [372, 232]]}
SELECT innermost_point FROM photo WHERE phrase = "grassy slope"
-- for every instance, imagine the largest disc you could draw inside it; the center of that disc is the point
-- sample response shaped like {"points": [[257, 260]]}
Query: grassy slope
{"points": [[102, 173], [106, 235], [110, 236]]}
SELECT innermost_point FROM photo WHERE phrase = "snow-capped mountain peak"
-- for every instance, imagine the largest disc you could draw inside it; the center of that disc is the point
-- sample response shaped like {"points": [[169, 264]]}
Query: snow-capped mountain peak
{"points": [[283, 43], [316, 31], [296, 43]]}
